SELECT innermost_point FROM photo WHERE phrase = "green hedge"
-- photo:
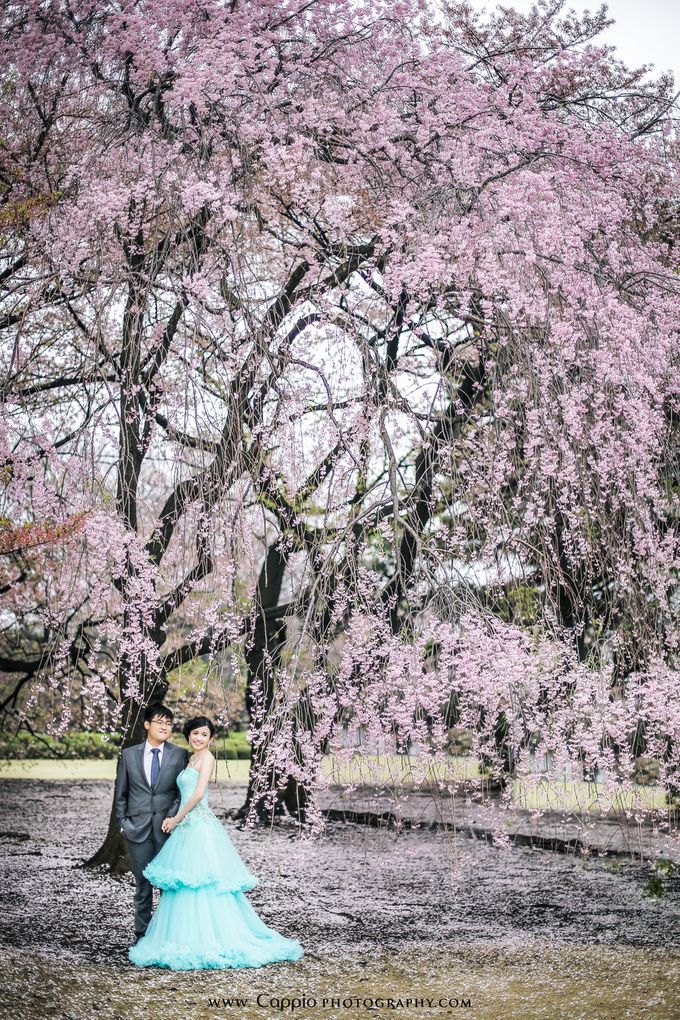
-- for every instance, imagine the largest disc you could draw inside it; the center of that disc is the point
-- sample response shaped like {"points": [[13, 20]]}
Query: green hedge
{"points": [[235, 746], [73, 745], [98, 745]]}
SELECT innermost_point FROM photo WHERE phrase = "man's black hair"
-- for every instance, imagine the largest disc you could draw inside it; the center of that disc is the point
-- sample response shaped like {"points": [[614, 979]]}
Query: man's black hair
{"points": [[151, 711]]}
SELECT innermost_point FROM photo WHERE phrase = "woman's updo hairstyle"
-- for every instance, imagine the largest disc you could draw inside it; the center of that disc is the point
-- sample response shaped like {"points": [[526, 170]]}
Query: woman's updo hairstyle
{"points": [[196, 723]]}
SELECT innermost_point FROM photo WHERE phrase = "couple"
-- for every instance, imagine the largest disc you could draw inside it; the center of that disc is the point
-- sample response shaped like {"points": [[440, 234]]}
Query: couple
{"points": [[203, 919]]}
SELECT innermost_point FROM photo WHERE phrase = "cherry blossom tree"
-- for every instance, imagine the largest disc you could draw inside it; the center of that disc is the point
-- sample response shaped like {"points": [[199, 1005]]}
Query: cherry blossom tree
{"points": [[350, 331]]}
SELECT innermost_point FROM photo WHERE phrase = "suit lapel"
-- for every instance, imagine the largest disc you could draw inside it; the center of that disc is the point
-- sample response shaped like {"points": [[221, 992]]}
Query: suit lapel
{"points": [[140, 763]]}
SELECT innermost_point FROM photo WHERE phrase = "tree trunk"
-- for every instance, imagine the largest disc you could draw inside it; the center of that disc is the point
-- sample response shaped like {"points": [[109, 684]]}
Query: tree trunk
{"points": [[487, 763], [113, 854], [263, 659]]}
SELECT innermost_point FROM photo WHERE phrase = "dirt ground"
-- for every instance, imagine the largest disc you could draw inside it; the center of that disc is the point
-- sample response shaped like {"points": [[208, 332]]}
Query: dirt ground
{"points": [[409, 924]]}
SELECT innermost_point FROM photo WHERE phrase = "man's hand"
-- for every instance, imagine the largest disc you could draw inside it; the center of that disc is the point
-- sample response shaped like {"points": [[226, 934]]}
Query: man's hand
{"points": [[168, 824]]}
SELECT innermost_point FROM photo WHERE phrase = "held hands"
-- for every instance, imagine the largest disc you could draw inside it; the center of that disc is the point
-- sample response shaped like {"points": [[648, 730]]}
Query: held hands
{"points": [[168, 824]]}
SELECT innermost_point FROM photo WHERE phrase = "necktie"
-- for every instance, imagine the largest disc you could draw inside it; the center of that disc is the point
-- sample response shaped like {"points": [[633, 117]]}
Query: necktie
{"points": [[155, 764]]}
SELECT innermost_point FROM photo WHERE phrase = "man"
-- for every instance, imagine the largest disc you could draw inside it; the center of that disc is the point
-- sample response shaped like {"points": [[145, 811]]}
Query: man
{"points": [[146, 793]]}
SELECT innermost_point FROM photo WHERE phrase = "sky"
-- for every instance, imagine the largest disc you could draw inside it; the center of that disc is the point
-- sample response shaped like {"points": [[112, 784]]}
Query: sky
{"points": [[646, 31]]}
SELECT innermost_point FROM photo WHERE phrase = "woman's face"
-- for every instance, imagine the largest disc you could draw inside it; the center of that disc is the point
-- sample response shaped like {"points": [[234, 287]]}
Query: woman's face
{"points": [[200, 738]]}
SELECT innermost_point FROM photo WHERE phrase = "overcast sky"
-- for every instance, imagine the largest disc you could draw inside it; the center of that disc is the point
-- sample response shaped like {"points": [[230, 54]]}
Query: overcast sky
{"points": [[646, 31]]}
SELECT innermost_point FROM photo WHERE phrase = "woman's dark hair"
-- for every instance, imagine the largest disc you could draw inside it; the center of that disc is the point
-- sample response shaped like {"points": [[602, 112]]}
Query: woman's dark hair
{"points": [[156, 709], [195, 723]]}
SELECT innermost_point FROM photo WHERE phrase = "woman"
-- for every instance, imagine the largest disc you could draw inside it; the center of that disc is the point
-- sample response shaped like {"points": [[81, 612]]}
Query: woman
{"points": [[203, 919]]}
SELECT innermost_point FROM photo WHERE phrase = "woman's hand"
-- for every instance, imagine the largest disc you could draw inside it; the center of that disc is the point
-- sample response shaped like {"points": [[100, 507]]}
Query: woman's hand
{"points": [[168, 824]]}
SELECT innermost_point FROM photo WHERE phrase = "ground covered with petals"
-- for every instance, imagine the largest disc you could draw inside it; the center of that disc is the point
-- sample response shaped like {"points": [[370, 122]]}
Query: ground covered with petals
{"points": [[413, 915]]}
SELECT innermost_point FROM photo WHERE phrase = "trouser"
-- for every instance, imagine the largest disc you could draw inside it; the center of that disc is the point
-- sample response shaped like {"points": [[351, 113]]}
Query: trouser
{"points": [[140, 855]]}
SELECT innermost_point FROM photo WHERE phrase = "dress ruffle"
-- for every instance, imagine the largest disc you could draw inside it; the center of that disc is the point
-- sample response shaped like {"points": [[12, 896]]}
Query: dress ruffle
{"points": [[196, 930], [200, 853], [167, 879], [172, 958]]}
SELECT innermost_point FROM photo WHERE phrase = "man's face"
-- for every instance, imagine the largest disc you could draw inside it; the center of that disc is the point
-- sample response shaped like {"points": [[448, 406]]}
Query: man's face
{"points": [[159, 729]]}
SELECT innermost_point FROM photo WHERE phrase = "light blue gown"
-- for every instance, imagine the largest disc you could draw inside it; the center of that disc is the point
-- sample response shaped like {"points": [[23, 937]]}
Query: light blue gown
{"points": [[203, 919]]}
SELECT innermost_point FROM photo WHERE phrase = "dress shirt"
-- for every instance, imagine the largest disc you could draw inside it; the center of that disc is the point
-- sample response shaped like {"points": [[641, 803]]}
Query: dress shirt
{"points": [[148, 758]]}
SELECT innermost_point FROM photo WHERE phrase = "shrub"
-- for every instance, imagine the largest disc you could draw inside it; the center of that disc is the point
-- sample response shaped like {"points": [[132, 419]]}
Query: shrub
{"points": [[18, 746], [73, 745]]}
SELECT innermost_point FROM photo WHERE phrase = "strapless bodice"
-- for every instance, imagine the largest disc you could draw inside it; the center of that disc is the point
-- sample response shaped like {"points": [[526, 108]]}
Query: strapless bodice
{"points": [[187, 781]]}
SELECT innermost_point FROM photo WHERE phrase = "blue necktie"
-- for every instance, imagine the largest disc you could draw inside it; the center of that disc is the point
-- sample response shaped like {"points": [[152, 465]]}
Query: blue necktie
{"points": [[155, 764]]}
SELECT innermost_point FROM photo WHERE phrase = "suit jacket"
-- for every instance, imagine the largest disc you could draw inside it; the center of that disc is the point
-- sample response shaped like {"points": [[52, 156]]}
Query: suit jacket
{"points": [[139, 808]]}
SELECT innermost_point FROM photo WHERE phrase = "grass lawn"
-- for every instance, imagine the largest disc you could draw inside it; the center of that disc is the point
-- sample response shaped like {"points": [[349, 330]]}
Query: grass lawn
{"points": [[398, 770], [387, 770], [390, 770], [231, 771], [586, 798]]}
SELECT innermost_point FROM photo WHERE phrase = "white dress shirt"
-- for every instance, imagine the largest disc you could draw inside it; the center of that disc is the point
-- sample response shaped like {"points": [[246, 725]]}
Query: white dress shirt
{"points": [[148, 758]]}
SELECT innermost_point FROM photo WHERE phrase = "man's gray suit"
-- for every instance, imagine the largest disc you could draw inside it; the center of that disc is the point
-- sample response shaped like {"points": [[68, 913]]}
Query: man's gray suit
{"points": [[140, 811]]}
